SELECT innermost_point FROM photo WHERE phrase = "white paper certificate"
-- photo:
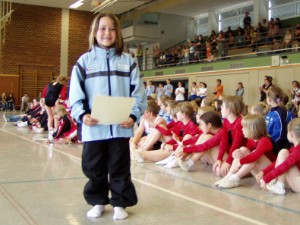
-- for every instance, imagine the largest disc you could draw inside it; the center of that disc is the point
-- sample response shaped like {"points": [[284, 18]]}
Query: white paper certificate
{"points": [[111, 110]]}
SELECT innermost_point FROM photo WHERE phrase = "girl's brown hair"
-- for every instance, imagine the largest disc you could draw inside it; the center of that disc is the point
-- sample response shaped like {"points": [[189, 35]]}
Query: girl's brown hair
{"points": [[61, 109], [256, 126], [61, 78], [213, 118], [235, 104], [260, 108], [186, 108], [152, 107], [95, 26]]}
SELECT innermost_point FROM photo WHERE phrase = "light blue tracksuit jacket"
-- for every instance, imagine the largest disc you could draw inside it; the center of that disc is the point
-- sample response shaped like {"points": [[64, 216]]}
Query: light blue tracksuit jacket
{"points": [[102, 72]]}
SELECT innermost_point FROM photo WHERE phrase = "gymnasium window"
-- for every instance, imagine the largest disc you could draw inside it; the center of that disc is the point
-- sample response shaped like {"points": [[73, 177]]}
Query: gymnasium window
{"points": [[202, 25], [284, 9], [234, 16]]}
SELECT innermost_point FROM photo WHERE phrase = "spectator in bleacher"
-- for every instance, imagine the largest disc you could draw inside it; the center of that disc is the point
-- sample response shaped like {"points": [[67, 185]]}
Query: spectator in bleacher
{"points": [[254, 39], [264, 26], [168, 57], [185, 52], [278, 22], [260, 28], [247, 20], [200, 45], [191, 51], [209, 55], [168, 88], [271, 21], [162, 58], [287, 39], [276, 45], [271, 33], [239, 39], [231, 39], [296, 39], [139, 56], [213, 43], [247, 36], [174, 56], [156, 54], [221, 45]]}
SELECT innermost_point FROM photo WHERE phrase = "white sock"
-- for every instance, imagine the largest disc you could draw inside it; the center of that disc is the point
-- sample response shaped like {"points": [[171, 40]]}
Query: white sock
{"points": [[172, 164], [234, 177], [96, 211], [120, 213], [280, 184]]}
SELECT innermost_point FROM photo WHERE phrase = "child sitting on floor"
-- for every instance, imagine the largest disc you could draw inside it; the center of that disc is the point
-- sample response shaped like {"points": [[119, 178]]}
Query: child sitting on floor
{"points": [[286, 169]]}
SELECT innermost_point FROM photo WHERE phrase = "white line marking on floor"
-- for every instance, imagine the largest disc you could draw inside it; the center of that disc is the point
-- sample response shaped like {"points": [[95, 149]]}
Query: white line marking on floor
{"points": [[200, 202]]}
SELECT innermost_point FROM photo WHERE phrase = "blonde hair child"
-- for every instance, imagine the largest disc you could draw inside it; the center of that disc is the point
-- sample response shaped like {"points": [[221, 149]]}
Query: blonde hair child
{"points": [[254, 157], [276, 118], [286, 169]]}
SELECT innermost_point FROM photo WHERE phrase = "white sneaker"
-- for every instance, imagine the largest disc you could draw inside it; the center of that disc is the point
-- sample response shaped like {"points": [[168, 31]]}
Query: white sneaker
{"points": [[22, 124], [186, 165], [120, 213], [50, 137], [96, 211], [276, 189], [165, 161], [172, 164], [228, 184]]}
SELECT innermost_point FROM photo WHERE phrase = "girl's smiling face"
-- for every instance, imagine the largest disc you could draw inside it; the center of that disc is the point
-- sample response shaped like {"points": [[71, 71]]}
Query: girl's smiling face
{"points": [[106, 34]]}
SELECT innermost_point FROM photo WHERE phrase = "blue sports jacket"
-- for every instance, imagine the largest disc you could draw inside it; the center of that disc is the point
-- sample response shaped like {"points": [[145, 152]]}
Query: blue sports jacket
{"points": [[102, 72]]}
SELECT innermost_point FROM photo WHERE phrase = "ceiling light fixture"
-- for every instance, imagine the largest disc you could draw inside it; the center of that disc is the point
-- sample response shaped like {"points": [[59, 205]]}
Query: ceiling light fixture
{"points": [[76, 4]]}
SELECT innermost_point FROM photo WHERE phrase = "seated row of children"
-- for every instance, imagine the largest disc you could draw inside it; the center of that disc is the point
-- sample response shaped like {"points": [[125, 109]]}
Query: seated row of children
{"points": [[233, 143], [36, 119]]}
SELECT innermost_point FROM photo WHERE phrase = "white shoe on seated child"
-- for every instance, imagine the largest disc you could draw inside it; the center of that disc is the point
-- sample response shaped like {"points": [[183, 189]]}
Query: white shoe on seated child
{"points": [[165, 161], [96, 211], [172, 164], [276, 188], [186, 165]]}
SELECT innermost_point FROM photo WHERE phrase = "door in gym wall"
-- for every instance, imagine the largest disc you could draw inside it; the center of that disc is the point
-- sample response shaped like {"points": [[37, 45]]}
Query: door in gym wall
{"points": [[33, 79]]}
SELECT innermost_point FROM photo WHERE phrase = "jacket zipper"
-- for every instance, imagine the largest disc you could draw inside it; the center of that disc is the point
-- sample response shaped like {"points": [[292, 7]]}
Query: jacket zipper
{"points": [[109, 87]]}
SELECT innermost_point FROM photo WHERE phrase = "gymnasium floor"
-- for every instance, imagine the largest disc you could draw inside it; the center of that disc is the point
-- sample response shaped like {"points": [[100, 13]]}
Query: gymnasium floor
{"points": [[42, 184]]}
